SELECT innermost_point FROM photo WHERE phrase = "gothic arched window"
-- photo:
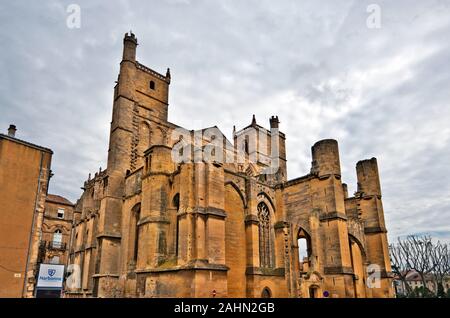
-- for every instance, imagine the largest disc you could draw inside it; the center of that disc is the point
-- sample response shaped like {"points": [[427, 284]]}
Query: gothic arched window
{"points": [[304, 250], [265, 241]]}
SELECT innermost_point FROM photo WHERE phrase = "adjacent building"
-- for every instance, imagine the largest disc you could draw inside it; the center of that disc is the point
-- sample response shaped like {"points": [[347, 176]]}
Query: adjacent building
{"points": [[416, 283], [24, 177], [56, 227]]}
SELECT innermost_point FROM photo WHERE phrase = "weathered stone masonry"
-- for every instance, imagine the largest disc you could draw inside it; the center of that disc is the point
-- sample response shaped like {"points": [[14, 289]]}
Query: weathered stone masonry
{"points": [[152, 227]]}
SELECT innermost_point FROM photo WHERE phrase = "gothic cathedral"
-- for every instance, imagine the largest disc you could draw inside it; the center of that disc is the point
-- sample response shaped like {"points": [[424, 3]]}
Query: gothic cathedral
{"points": [[189, 213]]}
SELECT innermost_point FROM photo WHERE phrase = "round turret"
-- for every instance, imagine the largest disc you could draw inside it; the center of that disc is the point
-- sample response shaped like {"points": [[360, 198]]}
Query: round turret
{"points": [[129, 47], [368, 177], [325, 155]]}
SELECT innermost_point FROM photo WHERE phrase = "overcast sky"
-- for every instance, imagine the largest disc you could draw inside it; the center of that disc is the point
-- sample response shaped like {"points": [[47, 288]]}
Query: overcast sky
{"points": [[381, 92]]}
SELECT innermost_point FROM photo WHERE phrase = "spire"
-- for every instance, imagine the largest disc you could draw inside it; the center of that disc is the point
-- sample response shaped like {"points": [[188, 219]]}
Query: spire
{"points": [[234, 130], [254, 121]]}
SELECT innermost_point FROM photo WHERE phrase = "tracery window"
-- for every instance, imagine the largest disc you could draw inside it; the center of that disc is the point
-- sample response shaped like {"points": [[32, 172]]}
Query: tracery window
{"points": [[265, 241]]}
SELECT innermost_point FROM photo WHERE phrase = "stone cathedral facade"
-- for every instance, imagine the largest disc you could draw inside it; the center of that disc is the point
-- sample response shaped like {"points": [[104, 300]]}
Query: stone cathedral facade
{"points": [[184, 213]]}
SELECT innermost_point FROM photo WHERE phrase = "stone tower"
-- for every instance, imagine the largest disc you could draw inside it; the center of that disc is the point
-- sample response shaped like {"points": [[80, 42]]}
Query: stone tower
{"points": [[266, 149], [371, 209], [329, 200], [136, 108]]}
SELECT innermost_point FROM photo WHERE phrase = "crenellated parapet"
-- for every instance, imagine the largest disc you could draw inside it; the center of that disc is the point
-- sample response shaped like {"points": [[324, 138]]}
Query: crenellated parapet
{"points": [[148, 70]]}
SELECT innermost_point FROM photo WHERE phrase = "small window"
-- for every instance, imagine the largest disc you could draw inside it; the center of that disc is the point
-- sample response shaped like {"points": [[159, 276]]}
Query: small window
{"points": [[60, 213], [152, 85]]}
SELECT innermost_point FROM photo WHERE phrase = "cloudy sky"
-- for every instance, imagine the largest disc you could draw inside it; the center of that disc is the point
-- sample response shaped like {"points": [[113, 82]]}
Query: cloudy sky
{"points": [[381, 92]]}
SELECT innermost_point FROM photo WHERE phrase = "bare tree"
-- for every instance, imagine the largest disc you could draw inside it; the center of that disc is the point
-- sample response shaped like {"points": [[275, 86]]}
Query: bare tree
{"points": [[421, 262], [440, 257], [420, 255], [400, 260]]}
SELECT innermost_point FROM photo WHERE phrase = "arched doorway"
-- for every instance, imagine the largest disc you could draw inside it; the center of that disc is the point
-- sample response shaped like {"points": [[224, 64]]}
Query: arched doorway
{"points": [[266, 293], [313, 292]]}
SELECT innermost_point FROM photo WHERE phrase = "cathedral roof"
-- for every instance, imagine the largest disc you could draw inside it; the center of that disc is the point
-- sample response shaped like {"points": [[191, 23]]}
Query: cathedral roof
{"points": [[223, 135]]}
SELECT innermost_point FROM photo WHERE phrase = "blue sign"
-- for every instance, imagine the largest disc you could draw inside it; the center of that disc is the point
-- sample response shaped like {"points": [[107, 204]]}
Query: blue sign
{"points": [[50, 276]]}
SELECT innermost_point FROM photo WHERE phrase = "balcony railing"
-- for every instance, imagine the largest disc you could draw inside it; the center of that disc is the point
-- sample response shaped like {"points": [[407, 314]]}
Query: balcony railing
{"points": [[56, 246]]}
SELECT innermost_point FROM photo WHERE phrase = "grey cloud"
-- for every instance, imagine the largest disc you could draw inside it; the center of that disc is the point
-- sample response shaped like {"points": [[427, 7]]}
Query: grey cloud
{"points": [[380, 92]]}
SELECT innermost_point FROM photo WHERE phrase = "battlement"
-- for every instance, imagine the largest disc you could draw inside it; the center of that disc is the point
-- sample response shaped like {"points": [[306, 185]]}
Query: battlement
{"points": [[97, 177], [154, 73], [130, 37], [274, 122]]}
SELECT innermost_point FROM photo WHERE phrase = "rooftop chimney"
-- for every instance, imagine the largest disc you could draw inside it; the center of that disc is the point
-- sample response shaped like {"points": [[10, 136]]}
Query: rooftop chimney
{"points": [[12, 131]]}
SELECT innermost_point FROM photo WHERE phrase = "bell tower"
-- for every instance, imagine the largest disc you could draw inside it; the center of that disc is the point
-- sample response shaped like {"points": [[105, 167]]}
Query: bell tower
{"points": [[139, 107]]}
